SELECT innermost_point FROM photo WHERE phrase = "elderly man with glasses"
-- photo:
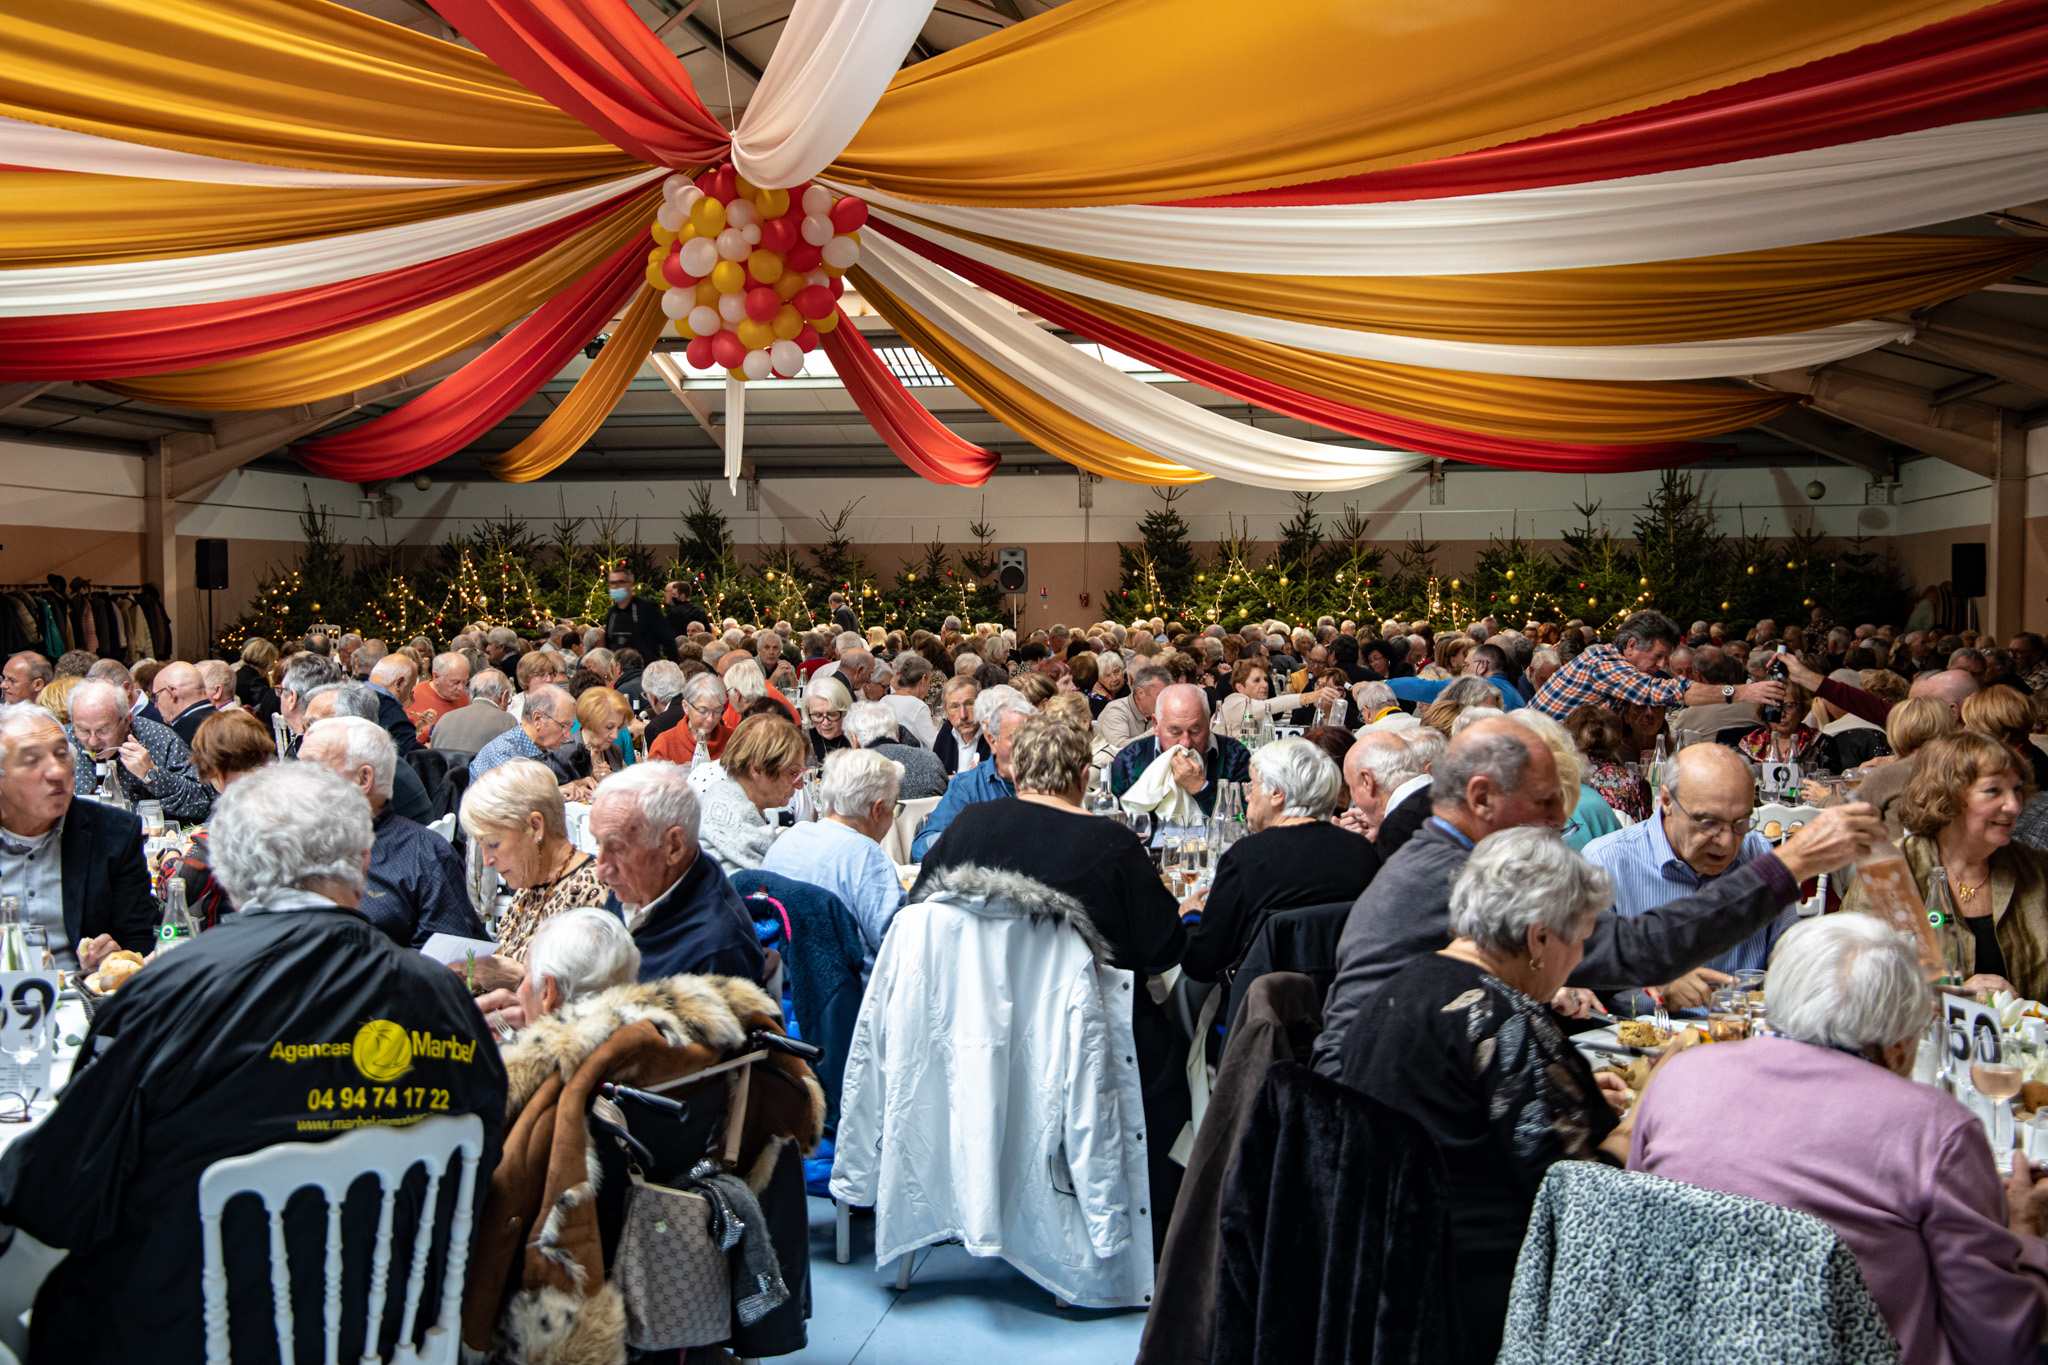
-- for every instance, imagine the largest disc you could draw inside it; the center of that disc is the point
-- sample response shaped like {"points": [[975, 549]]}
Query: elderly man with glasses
{"points": [[1699, 834], [543, 734], [149, 760]]}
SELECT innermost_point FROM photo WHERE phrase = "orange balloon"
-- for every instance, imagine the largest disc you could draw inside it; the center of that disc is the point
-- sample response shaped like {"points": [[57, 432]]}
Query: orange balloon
{"points": [[766, 266], [787, 322], [747, 189], [655, 279], [826, 323], [755, 335], [789, 286], [662, 234], [832, 271], [772, 203]]}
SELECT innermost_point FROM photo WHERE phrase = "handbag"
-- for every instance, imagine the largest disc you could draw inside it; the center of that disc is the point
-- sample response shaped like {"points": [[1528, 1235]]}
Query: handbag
{"points": [[670, 1270]]}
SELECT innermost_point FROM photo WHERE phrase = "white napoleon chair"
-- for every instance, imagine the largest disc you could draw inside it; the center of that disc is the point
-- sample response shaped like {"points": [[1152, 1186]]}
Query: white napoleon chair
{"points": [[276, 1173]]}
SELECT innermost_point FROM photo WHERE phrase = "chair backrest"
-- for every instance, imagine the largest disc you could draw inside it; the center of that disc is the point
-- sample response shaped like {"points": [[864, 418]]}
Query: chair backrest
{"points": [[909, 820], [1571, 1288], [445, 775], [1728, 736], [276, 1173], [1300, 939], [445, 827]]}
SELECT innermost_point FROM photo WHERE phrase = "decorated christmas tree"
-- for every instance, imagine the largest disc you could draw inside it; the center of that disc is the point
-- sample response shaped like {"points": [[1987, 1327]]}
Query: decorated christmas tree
{"points": [[1159, 573]]}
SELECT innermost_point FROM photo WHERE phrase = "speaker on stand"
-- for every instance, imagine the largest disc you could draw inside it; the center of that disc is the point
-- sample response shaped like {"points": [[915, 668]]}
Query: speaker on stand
{"points": [[209, 574], [1966, 575], [1012, 575]]}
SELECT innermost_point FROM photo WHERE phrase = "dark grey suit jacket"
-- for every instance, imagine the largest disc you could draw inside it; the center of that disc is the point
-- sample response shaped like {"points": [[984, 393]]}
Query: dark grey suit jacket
{"points": [[1406, 912]]}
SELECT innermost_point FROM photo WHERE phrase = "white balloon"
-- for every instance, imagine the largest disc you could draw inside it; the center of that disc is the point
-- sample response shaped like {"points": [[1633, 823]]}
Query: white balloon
{"points": [[818, 277], [756, 365], [699, 254], [676, 184], [688, 198], [787, 357], [740, 212], [817, 231], [752, 232], [669, 216], [817, 201], [733, 245], [842, 253], [733, 308], [677, 303], [704, 320]]}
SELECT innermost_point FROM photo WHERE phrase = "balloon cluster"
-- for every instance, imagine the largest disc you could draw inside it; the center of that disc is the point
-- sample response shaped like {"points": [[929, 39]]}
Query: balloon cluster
{"points": [[752, 275]]}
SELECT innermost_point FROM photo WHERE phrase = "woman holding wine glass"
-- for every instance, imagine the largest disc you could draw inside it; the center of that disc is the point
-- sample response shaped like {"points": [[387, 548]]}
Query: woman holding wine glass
{"points": [[1958, 809]]}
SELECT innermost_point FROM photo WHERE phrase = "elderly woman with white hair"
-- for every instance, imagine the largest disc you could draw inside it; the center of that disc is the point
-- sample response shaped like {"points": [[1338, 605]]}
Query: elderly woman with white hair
{"points": [[1464, 1040], [871, 725], [1294, 857], [576, 954], [746, 683], [841, 851], [707, 723], [1833, 1125], [515, 817]]}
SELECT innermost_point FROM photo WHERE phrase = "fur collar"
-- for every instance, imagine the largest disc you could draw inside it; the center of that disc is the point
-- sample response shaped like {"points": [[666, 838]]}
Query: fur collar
{"points": [[997, 893], [683, 1009]]}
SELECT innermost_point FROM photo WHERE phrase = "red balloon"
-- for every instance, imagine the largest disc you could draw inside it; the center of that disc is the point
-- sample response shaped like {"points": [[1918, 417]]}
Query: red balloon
{"points": [[779, 235], [808, 338], [813, 300], [672, 271], [727, 349], [763, 304], [701, 353], [848, 214], [803, 258], [837, 286], [722, 184]]}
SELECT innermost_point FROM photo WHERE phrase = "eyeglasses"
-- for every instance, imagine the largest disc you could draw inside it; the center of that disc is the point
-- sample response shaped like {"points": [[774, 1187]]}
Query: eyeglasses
{"points": [[1710, 826]]}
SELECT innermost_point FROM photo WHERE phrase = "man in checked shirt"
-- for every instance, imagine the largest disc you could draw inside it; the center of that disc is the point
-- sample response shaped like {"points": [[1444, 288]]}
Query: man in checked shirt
{"points": [[1632, 670]]}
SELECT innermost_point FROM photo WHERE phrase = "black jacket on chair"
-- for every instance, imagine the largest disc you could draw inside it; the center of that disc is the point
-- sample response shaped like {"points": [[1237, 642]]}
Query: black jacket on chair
{"points": [[106, 882], [1336, 1232]]}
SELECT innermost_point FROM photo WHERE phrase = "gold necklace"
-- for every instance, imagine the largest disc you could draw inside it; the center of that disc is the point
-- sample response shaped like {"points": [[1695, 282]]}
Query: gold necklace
{"points": [[1963, 893]]}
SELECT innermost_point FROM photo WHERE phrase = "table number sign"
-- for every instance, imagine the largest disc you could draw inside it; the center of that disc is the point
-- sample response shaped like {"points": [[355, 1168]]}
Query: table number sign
{"points": [[28, 1031]]}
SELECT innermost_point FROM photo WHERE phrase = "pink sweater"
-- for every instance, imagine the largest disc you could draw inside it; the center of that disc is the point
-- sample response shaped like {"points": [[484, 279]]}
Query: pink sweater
{"points": [[1901, 1172]]}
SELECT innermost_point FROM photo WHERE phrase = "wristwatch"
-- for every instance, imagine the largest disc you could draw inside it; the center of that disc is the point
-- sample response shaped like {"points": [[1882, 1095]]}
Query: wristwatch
{"points": [[1727, 692]]}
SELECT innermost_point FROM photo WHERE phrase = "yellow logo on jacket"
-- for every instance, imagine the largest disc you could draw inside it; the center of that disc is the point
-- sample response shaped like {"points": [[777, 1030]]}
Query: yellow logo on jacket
{"points": [[382, 1051]]}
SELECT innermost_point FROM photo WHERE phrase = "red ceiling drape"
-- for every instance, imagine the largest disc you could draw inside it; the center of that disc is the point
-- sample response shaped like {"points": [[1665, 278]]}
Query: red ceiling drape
{"points": [[475, 398], [919, 439]]}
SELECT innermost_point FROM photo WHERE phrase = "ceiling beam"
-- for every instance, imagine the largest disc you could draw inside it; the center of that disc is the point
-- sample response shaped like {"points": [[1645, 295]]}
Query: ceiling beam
{"points": [[672, 375], [1964, 433], [675, 21], [697, 29], [15, 394], [73, 409], [1809, 430], [2012, 351], [1966, 388], [193, 459]]}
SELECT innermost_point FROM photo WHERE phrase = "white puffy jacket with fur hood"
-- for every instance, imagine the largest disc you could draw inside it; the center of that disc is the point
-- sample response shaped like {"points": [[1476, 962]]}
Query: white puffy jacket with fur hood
{"points": [[992, 1091]]}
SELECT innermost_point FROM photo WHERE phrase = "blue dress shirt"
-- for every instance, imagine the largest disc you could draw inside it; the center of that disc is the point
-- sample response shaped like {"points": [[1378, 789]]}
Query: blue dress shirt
{"points": [[980, 783], [1648, 873]]}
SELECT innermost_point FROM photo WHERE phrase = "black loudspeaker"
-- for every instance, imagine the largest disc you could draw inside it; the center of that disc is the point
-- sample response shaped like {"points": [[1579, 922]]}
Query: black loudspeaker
{"points": [[1012, 568], [1966, 568], [210, 564]]}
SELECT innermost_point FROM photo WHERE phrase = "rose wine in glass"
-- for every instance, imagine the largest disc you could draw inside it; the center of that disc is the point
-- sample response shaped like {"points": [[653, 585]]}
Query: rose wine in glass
{"points": [[1999, 1082]]}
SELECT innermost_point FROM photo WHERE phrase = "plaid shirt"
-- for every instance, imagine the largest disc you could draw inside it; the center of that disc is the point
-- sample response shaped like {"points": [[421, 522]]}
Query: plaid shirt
{"points": [[1601, 677]]}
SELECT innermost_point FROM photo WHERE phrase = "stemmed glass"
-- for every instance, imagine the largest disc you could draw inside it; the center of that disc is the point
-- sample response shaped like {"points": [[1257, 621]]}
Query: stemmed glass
{"points": [[1999, 1081]]}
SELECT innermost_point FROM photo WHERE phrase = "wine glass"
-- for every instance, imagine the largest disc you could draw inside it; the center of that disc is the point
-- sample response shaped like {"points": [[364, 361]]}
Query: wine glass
{"points": [[1999, 1081], [1728, 1015]]}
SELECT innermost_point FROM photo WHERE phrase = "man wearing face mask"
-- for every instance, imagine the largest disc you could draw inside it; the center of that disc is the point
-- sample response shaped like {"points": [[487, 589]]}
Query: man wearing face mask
{"points": [[634, 622]]}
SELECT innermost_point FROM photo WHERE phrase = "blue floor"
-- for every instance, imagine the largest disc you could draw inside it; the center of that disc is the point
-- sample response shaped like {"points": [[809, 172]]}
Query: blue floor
{"points": [[958, 1309]]}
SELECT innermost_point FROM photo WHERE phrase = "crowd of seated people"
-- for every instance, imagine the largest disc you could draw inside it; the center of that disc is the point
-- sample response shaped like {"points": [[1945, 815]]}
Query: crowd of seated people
{"points": [[1481, 812]]}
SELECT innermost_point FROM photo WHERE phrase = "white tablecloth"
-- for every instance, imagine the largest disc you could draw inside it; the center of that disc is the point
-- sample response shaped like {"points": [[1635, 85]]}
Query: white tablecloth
{"points": [[71, 1025]]}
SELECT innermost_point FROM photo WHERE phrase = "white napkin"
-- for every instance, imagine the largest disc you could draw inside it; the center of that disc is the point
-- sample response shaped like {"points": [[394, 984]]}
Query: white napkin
{"points": [[1157, 792]]}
